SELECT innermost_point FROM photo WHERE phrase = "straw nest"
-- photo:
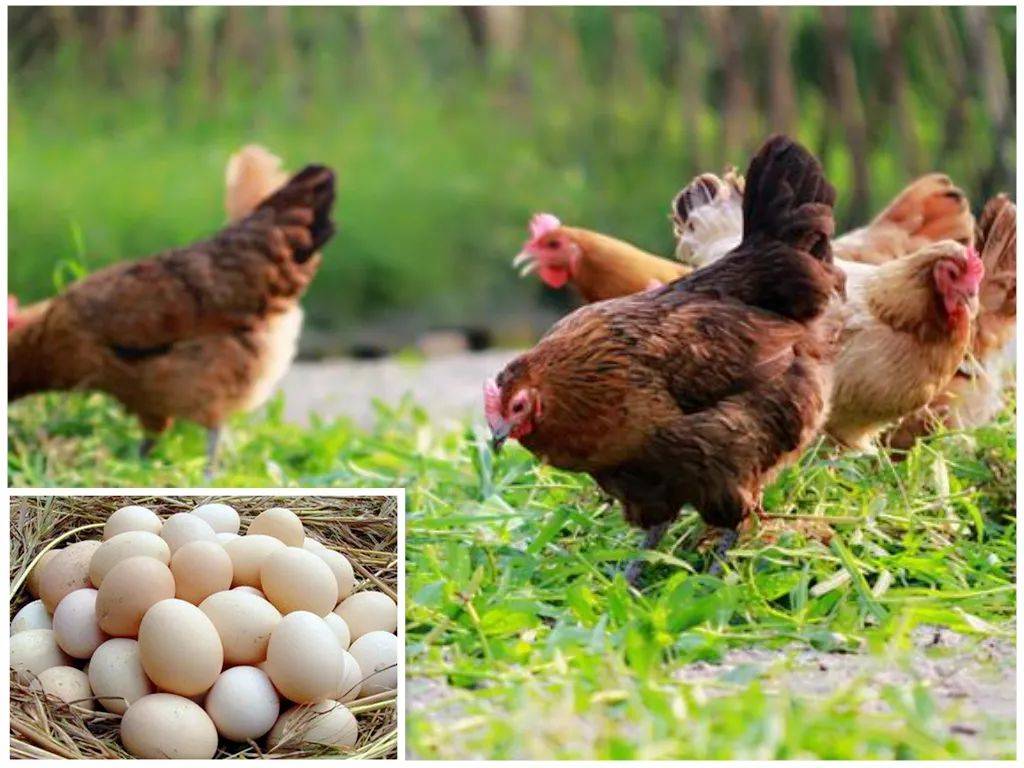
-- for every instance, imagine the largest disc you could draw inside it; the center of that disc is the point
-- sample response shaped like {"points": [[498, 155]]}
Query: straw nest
{"points": [[364, 529]]}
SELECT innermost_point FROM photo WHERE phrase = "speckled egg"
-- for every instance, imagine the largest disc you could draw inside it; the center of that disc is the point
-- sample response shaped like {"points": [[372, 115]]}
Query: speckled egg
{"points": [[66, 572], [68, 684], [34, 650], [116, 675], [163, 725], [128, 591], [376, 653]]}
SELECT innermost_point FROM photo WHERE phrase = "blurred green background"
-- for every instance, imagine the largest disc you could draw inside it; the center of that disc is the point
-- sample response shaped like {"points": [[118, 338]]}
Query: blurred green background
{"points": [[450, 126]]}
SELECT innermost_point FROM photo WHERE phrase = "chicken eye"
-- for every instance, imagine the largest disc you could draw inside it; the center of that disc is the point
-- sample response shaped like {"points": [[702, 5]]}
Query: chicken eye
{"points": [[517, 407], [552, 243]]}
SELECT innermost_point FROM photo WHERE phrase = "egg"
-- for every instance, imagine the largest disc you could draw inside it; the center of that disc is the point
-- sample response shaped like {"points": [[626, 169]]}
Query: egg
{"points": [[376, 653], [180, 649], [312, 545], [221, 517], [128, 591], [341, 568], [282, 524], [249, 590], [296, 580], [32, 582], [340, 629], [351, 680], [243, 623], [68, 684], [121, 547], [243, 704], [181, 528], [303, 658], [31, 616], [131, 518], [34, 650], [116, 675], [75, 626], [225, 537], [247, 554], [368, 611], [200, 569], [163, 725], [325, 722], [66, 572]]}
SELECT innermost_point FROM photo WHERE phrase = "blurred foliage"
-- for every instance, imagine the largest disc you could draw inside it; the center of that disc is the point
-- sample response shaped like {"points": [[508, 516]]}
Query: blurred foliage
{"points": [[450, 126]]}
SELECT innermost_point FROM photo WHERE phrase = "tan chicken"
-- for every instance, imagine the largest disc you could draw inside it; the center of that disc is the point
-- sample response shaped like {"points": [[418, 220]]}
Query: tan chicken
{"points": [[699, 391], [195, 333], [597, 266], [975, 395]]}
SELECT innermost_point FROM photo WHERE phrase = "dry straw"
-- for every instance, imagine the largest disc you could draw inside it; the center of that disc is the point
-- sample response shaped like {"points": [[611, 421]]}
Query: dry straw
{"points": [[365, 530]]}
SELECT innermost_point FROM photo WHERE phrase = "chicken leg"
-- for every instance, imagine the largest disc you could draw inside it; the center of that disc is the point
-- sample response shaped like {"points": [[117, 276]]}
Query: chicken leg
{"points": [[652, 537], [212, 442]]}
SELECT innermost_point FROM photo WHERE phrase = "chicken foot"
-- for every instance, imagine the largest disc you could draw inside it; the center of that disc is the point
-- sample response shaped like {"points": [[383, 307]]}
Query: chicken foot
{"points": [[729, 537], [652, 537], [212, 443]]}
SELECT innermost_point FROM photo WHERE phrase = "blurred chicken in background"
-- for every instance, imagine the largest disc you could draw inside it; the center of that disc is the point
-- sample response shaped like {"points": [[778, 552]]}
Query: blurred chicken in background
{"points": [[195, 333]]}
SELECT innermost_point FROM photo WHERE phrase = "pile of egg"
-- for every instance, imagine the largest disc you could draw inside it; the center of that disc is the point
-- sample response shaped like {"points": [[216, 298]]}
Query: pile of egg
{"points": [[192, 632]]}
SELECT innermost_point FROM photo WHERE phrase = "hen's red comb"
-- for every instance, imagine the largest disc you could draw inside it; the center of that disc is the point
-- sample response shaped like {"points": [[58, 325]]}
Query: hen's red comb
{"points": [[12, 310], [542, 224]]}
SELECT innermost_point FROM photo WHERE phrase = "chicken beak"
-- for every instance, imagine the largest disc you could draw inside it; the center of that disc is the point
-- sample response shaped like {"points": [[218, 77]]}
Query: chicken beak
{"points": [[525, 263], [499, 434]]}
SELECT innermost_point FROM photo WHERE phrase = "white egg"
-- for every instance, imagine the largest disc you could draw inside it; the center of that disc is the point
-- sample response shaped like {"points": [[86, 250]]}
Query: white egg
{"points": [[282, 524], [312, 545], [68, 684], [131, 518], [296, 580], [368, 611], [181, 528], [34, 650], [341, 568], [222, 517], [250, 591], [243, 704], [116, 675], [75, 625], [223, 538], [163, 725], [303, 658], [376, 653], [325, 722], [31, 616], [351, 680], [340, 629]]}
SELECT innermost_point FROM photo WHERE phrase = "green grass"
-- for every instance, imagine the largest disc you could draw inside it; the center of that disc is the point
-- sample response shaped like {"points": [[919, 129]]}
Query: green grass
{"points": [[518, 607]]}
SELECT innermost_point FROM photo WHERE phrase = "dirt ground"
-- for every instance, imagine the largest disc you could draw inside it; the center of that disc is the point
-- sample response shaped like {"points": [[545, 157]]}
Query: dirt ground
{"points": [[973, 680], [449, 387]]}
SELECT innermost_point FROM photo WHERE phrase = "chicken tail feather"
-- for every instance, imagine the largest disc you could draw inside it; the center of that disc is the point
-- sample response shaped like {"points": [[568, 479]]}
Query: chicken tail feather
{"points": [[788, 199], [307, 198], [996, 237]]}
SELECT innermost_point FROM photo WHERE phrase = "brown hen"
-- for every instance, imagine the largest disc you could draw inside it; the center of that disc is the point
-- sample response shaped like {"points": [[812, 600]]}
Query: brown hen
{"points": [[195, 333], [700, 391]]}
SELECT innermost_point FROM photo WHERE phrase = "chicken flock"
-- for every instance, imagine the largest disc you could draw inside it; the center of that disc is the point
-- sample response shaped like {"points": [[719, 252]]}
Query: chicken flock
{"points": [[694, 381], [686, 381]]}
